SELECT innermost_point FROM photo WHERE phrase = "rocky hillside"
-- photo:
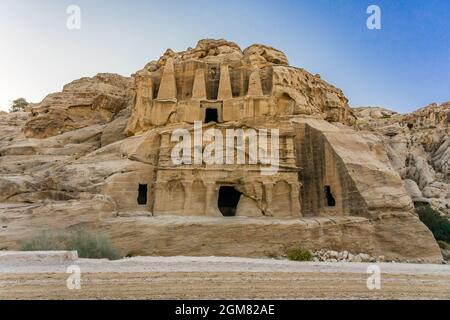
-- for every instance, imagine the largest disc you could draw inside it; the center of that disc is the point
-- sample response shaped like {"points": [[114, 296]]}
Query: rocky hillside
{"points": [[86, 156], [70, 145], [418, 146]]}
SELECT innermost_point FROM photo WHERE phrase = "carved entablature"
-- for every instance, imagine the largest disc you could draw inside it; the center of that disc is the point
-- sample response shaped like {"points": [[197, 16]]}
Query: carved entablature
{"points": [[228, 147], [258, 164]]}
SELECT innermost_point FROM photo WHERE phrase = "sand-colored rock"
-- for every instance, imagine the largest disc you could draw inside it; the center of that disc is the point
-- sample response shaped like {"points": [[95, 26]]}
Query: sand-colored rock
{"points": [[257, 82], [418, 146], [99, 155], [84, 102]]}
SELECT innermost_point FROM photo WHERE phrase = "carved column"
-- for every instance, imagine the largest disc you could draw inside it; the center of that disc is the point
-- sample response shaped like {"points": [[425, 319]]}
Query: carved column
{"points": [[165, 140], [296, 209], [187, 185], [268, 190], [165, 150], [290, 151], [259, 192], [160, 194], [211, 200]]}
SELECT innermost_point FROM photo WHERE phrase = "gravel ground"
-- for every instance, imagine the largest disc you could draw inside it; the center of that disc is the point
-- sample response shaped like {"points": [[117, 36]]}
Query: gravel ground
{"points": [[218, 264], [221, 278]]}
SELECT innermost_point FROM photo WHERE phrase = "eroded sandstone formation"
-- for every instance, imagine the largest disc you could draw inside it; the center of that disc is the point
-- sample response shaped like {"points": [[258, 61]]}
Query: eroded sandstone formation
{"points": [[99, 154], [418, 146], [82, 103], [257, 82]]}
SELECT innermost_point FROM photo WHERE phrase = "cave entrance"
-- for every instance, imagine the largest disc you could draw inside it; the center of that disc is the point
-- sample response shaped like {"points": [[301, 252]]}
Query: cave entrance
{"points": [[142, 197], [211, 115], [331, 201], [228, 201]]}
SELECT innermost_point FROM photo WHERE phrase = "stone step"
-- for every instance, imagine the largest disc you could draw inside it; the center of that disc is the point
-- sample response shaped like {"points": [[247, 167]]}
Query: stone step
{"points": [[38, 256]]}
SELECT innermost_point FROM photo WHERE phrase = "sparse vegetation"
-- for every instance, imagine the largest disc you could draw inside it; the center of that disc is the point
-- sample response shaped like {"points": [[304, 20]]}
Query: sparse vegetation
{"points": [[439, 226], [444, 245], [300, 255], [18, 105], [45, 241], [88, 245]]}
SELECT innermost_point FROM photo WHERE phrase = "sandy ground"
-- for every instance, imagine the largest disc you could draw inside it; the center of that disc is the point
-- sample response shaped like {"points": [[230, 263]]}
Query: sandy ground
{"points": [[221, 278]]}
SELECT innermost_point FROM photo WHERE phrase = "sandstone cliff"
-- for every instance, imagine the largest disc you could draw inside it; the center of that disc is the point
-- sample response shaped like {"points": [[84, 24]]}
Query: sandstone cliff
{"points": [[418, 146], [82, 103], [97, 154], [290, 90]]}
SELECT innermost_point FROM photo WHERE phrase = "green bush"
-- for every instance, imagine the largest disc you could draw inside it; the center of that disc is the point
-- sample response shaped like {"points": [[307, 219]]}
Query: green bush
{"points": [[45, 241], [300, 255], [18, 105], [444, 245], [88, 245], [439, 226]]}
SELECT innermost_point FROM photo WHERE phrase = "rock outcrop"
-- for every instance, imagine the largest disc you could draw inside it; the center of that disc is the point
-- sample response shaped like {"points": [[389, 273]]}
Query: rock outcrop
{"points": [[165, 88], [100, 154], [82, 103], [418, 146]]}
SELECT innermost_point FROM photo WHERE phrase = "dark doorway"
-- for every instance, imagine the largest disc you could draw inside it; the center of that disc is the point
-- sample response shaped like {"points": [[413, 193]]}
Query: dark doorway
{"points": [[228, 201], [331, 201], [211, 115], [142, 197]]}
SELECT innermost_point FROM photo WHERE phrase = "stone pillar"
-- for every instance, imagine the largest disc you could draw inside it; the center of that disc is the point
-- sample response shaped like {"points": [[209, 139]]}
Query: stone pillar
{"points": [[164, 149], [296, 210], [225, 91], [199, 89], [259, 191], [168, 86], [165, 140], [290, 151], [187, 185], [160, 197], [268, 191], [211, 200], [254, 84], [249, 108]]}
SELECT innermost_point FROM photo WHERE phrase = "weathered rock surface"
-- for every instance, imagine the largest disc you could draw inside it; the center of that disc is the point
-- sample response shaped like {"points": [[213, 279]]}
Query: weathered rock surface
{"points": [[256, 82], [84, 102], [418, 146], [98, 155], [344, 256]]}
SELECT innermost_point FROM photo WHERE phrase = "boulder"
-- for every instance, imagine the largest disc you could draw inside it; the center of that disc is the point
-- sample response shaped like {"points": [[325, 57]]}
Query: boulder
{"points": [[82, 103]]}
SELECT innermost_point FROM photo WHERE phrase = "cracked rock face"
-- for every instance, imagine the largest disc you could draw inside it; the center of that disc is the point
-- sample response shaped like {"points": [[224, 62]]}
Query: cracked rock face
{"points": [[418, 146], [82, 103], [98, 154]]}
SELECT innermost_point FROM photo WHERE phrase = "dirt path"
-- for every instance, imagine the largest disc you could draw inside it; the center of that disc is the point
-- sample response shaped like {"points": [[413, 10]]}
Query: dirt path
{"points": [[222, 278]]}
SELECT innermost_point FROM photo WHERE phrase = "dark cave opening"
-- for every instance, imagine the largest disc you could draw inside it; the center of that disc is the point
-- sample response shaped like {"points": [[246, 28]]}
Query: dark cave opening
{"points": [[142, 197], [211, 115], [228, 201], [331, 201]]}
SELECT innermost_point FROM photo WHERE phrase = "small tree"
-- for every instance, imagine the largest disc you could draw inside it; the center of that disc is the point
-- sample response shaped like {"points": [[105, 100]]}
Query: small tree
{"points": [[18, 105]]}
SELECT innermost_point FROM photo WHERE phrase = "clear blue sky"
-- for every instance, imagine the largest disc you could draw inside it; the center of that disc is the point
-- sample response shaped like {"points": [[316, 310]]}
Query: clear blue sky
{"points": [[404, 66]]}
